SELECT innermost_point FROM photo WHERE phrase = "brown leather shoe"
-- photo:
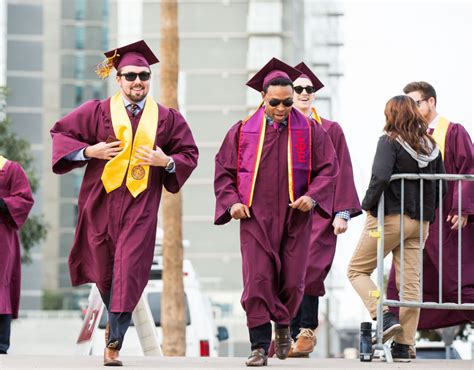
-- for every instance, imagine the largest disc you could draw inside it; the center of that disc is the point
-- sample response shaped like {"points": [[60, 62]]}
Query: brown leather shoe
{"points": [[304, 345], [257, 358], [282, 342], [111, 355]]}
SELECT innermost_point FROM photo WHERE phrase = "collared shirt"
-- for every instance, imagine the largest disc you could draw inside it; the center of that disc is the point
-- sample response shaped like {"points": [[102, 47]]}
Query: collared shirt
{"points": [[128, 105], [270, 121], [434, 122]]}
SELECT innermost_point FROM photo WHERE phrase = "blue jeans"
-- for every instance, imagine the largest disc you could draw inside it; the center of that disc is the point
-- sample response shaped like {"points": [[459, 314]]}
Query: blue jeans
{"points": [[5, 329]]}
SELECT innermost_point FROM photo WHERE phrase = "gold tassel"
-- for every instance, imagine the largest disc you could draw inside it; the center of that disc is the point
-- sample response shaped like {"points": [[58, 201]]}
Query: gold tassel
{"points": [[103, 68]]}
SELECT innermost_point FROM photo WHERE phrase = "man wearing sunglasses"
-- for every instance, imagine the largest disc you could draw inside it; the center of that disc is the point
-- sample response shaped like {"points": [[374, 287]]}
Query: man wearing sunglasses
{"points": [[131, 147], [274, 170], [322, 246], [456, 147]]}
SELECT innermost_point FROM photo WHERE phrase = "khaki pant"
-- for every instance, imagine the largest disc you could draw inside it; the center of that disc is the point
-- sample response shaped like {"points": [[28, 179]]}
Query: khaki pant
{"points": [[364, 262]]}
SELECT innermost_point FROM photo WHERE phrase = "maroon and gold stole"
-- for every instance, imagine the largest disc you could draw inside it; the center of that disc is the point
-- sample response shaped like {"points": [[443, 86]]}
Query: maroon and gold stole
{"points": [[251, 138]]}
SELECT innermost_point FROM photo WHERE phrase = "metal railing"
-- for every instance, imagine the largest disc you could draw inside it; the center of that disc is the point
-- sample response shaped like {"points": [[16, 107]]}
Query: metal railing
{"points": [[379, 234]]}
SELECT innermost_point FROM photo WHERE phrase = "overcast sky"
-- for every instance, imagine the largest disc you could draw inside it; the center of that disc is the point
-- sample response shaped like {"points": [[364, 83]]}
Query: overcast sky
{"points": [[387, 45]]}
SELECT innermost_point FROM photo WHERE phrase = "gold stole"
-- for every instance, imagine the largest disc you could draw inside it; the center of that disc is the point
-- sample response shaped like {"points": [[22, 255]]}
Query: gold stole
{"points": [[3, 160], [315, 115], [125, 162], [439, 134]]}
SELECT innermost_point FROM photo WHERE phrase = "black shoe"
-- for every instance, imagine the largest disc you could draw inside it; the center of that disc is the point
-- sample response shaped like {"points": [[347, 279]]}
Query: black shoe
{"points": [[400, 352], [391, 327]]}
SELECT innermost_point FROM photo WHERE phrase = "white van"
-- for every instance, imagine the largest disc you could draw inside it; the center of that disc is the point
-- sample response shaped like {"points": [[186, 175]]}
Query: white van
{"points": [[202, 336]]}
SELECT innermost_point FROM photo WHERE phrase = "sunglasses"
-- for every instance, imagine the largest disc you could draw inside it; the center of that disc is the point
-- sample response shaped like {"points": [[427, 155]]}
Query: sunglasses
{"points": [[309, 89], [276, 102], [132, 76]]}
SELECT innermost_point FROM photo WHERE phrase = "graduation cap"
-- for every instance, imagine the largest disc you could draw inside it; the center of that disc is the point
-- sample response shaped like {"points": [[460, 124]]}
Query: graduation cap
{"points": [[275, 68], [308, 73], [135, 54]]}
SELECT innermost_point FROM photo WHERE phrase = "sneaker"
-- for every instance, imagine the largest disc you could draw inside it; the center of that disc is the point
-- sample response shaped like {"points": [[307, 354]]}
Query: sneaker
{"points": [[391, 327], [412, 352], [400, 352], [304, 345]]}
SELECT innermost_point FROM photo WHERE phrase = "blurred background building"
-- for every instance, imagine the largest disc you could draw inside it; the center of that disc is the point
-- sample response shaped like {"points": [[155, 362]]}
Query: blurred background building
{"points": [[52, 49]]}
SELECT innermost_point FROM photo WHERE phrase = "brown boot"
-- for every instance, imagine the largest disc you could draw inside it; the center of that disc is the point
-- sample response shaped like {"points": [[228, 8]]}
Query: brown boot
{"points": [[111, 355], [305, 342], [282, 342], [257, 358]]}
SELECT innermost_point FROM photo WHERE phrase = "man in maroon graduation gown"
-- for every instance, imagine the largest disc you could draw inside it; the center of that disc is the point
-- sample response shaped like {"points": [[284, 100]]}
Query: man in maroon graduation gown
{"points": [[273, 171], [16, 201], [132, 146], [456, 147], [324, 230]]}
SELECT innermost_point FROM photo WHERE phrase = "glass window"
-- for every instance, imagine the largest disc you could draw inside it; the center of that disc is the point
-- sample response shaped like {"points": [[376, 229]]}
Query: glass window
{"points": [[79, 9], [80, 37], [78, 95], [79, 67]]}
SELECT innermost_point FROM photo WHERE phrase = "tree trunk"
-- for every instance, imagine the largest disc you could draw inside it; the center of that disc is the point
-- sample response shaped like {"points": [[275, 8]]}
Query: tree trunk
{"points": [[172, 305]]}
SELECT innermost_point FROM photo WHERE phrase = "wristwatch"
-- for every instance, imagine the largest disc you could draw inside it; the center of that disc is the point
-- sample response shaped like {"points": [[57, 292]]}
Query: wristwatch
{"points": [[169, 166]]}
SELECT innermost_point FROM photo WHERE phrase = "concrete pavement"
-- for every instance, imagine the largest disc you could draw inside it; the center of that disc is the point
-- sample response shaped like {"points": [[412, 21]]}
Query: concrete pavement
{"points": [[17, 362]]}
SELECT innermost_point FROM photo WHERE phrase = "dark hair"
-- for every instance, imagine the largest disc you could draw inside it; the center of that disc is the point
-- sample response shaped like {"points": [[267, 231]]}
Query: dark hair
{"points": [[423, 87], [279, 81], [405, 120]]}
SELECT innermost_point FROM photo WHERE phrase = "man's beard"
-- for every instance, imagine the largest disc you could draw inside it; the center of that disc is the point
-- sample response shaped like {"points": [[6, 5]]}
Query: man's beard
{"points": [[133, 97]]}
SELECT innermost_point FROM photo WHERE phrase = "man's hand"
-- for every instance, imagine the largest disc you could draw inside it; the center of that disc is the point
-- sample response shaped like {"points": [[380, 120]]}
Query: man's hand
{"points": [[456, 221], [103, 150], [303, 203], [150, 157], [340, 225], [239, 211]]}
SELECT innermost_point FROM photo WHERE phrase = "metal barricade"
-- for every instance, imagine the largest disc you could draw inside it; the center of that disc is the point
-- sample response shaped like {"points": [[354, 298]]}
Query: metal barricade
{"points": [[379, 234]]}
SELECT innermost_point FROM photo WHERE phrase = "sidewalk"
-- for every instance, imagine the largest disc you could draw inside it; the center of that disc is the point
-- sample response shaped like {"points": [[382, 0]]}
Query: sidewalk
{"points": [[137, 363]]}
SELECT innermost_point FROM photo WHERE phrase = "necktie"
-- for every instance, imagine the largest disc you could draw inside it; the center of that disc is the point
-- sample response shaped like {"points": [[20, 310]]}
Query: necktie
{"points": [[134, 109], [276, 125]]}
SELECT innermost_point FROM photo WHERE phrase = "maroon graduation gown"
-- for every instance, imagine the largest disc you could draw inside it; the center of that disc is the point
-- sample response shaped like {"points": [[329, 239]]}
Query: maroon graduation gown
{"points": [[275, 240], [323, 241], [16, 193], [115, 234], [458, 159]]}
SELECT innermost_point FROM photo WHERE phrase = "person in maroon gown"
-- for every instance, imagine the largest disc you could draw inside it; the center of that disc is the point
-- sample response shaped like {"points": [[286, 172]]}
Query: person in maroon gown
{"points": [[274, 170], [131, 147], [456, 146], [16, 201], [324, 230]]}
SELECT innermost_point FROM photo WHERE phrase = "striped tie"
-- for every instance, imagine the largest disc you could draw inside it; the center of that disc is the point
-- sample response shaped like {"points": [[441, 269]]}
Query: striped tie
{"points": [[133, 109]]}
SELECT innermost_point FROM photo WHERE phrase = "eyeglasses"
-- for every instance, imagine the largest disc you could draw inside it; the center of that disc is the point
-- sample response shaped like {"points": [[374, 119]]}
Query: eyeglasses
{"points": [[132, 76], [276, 102], [418, 102], [309, 89]]}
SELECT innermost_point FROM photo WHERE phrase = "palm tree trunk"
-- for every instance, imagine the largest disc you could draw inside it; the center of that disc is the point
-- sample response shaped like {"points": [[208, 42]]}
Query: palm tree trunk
{"points": [[172, 305]]}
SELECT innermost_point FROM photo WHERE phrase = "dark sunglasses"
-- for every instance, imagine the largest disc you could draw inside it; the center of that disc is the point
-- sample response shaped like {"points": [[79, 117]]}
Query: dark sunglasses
{"points": [[132, 76], [309, 89], [276, 102]]}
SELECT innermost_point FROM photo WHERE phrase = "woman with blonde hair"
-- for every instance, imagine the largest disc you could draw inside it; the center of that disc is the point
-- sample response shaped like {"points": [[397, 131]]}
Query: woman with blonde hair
{"points": [[404, 147]]}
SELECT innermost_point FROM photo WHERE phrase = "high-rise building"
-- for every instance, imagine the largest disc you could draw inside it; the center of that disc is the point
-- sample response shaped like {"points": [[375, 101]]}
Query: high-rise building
{"points": [[52, 48]]}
